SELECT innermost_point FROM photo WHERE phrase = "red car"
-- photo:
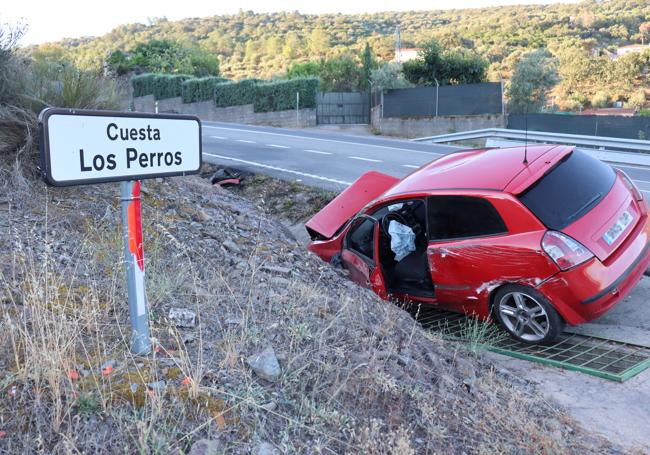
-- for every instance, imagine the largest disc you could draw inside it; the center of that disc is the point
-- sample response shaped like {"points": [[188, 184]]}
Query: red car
{"points": [[538, 237]]}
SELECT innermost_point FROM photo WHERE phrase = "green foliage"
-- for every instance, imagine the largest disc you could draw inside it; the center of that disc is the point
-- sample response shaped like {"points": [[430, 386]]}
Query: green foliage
{"points": [[368, 65], [143, 84], [304, 69], [61, 84], [161, 86], [119, 63], [165, 56], [600, 99], [582, 36], [168, 85], [637, 100], [341, 74], [451, 67], [281, 95], [644, 112], [388, 76], [200, 89], [235, 93], [534, 75]]}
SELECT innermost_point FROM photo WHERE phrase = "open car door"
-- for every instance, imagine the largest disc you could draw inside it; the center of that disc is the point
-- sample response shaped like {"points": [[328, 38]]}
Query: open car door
{"points": [[360, 255]]}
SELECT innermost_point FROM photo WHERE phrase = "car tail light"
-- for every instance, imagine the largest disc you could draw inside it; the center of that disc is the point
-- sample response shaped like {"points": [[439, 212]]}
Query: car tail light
{"points": [[565, 251], [630, 185]]}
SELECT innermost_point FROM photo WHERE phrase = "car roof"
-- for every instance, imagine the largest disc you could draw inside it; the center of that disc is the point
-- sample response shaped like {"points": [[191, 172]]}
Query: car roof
{"points": [[483, 169]]}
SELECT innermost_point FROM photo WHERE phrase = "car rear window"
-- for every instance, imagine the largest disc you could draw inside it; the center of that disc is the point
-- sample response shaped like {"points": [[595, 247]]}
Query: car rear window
{"points": [[570, 190]]}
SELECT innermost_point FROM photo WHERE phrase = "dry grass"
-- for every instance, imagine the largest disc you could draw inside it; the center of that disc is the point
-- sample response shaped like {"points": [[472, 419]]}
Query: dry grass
{"points": [[358, 376]]}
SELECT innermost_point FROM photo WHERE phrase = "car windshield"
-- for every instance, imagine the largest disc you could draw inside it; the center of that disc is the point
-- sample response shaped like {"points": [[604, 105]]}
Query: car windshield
{"points": [[570, 190]]}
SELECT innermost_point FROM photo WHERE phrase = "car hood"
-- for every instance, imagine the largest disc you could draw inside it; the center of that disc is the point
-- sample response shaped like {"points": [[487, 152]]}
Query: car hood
{"points": [[366, 188]]}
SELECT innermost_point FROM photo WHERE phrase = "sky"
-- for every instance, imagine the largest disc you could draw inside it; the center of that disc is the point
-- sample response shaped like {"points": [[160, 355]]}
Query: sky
{"points": [[52, 20]]}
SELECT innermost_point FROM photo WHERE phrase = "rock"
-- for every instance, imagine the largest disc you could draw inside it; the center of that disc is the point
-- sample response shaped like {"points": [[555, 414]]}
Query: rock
{"points": [[265, 364], [266, 449], [467, 371], [182, 317], [231, 246], [158, 386], [206, 447], [283, 271], [188, 338]]}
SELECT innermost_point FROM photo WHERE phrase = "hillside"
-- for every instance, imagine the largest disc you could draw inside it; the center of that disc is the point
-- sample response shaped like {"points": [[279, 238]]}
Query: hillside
{"points": [[263, 45], [356, 375]]}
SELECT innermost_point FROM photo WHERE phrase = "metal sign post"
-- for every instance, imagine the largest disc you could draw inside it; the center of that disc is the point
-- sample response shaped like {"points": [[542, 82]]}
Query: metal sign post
{"points": [[80, 147], [134, 262]]}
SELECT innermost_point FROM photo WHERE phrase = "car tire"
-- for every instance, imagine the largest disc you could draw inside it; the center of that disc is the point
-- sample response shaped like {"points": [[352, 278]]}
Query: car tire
{"points": [[527, 315]]}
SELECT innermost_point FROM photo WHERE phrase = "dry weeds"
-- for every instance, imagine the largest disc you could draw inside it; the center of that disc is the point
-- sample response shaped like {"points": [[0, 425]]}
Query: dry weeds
{"points": [[358, 376]]}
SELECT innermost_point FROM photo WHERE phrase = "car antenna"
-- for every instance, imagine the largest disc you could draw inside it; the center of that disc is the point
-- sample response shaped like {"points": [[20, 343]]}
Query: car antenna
{"points": [[526, 136]]}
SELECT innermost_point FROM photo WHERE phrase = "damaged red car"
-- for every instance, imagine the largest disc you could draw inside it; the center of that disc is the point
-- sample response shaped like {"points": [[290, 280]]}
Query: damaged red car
{"points": [[535, 237]]}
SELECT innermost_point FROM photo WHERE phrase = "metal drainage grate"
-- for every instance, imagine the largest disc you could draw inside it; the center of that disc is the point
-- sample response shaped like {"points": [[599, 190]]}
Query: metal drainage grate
{"points": [[601, 357]]}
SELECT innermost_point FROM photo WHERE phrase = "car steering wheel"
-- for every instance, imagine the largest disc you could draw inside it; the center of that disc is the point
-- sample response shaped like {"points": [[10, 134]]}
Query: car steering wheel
{"points": [[385, 221]]}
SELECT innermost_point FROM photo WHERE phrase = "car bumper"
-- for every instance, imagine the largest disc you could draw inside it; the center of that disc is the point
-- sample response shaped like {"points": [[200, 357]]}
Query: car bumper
{"points": [[588, 291]]}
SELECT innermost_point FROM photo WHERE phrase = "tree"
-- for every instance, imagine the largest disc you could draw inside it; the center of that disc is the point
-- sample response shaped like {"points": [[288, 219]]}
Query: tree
{"points": [[534, 75], [453, 67], [600, 99], [637, 100], [388, 76], [118, 63], [305, 69], [368, 65], [341, 74], [644, 30], [167, 56], [318, 42]]}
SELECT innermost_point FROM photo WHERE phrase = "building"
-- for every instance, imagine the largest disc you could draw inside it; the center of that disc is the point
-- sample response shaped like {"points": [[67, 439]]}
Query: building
{"points": [[407, 54], [624, 50]]}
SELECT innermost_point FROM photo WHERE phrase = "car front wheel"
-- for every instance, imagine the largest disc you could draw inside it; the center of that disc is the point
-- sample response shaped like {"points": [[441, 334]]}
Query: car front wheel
{"points": [[527, 315]]}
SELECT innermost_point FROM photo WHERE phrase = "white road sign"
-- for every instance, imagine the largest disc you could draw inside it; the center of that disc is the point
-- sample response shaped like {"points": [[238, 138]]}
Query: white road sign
{"points": [[81, 147]]}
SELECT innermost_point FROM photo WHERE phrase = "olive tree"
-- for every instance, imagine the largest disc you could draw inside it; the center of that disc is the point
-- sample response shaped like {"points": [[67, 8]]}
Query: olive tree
{"points": [[534, 75]]}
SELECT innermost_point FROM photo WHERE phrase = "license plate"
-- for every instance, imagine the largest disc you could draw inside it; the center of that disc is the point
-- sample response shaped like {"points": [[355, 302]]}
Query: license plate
{"points": [[615, 231]]}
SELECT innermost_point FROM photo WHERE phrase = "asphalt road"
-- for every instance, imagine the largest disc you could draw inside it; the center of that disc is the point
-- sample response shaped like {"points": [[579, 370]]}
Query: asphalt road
{"points": [[327, 159]]}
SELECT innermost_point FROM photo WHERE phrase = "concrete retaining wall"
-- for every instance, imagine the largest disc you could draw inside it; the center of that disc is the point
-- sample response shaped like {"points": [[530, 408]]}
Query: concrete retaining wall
{"points": [[206, 110], [431, 126]]}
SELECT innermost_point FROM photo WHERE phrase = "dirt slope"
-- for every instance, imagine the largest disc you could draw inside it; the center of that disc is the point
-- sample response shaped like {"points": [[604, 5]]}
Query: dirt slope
{"points": [[356, 375]]}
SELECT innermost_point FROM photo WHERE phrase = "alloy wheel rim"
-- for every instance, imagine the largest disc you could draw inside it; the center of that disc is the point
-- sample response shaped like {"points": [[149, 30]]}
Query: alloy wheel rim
{"points": [[524, 316]]}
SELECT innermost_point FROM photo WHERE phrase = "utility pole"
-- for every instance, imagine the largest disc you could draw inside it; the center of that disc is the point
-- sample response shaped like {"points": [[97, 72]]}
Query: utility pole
{"points": [[398, 45]]}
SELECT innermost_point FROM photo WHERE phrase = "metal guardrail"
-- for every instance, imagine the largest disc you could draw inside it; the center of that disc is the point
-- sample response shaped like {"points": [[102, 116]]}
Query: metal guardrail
{"points": [[598, 142]]}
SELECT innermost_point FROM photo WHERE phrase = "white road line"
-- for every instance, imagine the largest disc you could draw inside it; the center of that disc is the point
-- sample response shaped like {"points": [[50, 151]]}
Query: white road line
{"points": [[630, 166], [411, 166], [318, 152], [278, 146], [218, 137], [245, 141], [364, 159], [327, 140], [275, 168], [639, 181]]}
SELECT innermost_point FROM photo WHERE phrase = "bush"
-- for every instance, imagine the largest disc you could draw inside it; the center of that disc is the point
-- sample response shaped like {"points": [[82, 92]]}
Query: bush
{"points": [[161, 86], [200, 89], [637, 100], [143, 84], [168, 85], [281, 96], [235, 93], [600, 99]]}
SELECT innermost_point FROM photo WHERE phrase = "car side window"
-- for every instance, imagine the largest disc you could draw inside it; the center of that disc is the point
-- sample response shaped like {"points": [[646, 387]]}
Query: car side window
{"points": [[361, 237], [456, 217]]}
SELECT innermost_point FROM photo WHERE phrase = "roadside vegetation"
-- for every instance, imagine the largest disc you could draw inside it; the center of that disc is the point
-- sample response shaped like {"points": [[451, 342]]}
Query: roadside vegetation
{"points": [[582, 39]]}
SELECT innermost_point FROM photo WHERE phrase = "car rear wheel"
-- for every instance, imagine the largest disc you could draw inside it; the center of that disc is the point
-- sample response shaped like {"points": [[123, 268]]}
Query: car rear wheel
{"points": [[527, 315]]}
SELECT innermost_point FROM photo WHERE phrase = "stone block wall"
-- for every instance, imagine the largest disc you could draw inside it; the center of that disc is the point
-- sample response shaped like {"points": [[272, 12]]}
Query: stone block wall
{"points": [[432, 126], [206, 110]]}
